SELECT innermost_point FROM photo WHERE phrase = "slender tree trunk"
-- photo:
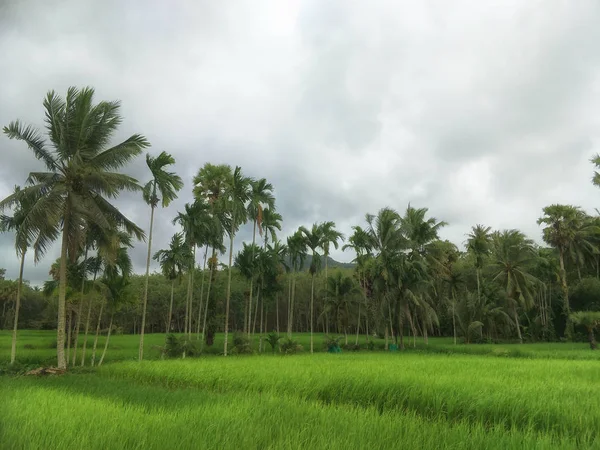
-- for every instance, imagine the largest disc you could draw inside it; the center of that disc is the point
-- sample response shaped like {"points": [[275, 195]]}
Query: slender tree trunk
{"points": [[425, 336], [62, 291], [13, 348], [191, 297], [210, 277], [249, 315], [358, 325], [145, 301], [260, 329], [107, 339], [477, 272], [518, 326], [387, 342], [277, 312], [80, 311], [289, 308], [187, 300], [87, 326], [97, 333], [592, 339], [293, 302], [170, 306], [454, 316], [312, 298], [69, 328], [255, 313], [228, 289], [565, 288]]}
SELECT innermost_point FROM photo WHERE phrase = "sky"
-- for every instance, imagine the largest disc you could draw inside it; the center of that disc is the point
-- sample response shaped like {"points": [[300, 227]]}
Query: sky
{"points": [[483, 112]]}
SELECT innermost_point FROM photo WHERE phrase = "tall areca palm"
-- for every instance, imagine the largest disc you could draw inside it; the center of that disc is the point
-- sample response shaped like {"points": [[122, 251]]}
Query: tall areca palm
{"points": [[330, 236], [79, 179], [261, 196], [166, 184], [562, 223], [172, 262], [296, 245], [314, 241], [237, 193], [478, 244], [24, 238], [512, 259]]}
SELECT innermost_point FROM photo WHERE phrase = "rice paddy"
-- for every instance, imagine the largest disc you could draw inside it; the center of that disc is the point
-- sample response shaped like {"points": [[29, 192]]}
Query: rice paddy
{"points": [[548, 396]]}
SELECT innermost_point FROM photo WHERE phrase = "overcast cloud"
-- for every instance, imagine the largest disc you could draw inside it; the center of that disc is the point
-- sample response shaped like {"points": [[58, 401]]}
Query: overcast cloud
{"points": [[482, 111]]}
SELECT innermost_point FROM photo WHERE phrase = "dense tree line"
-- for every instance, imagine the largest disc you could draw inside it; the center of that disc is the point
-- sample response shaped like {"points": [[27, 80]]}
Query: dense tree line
{"points": [[405, 283]]}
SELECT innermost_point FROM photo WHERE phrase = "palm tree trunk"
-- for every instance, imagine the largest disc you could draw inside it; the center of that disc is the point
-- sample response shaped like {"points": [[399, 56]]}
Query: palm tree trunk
{"points": [[97, 333], [289, 308], [312, 298], [277, 311], [478, 285], [425, 336], [69, 327], [187, 300], [592, 339], [107, 339], [80, 311], [249, 313], [13, 348], [358, 324], [228, 289], [145, 301], [454, 319], [255, 313], [518, 326], [260, 329], [87, 326], [210, 277], [62, 291], [292, 306], [565, 288], [191, 295], [168, 328], [387, 343]]}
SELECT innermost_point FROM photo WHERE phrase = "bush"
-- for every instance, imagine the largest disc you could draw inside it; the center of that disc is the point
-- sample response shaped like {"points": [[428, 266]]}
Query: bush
{"points": [[178, 347], [241, 344], [290, 347], [371, 344], [351, 347], [273, 340], [332, 344]]}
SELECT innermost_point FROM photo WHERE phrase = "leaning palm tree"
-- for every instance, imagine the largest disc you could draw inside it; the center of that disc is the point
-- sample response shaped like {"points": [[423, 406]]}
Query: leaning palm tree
{"points": [[167, 184], [237, 193], [24, 238], [79, 179], [314, 241], [478, 244], [172, 262], [562, 223]]}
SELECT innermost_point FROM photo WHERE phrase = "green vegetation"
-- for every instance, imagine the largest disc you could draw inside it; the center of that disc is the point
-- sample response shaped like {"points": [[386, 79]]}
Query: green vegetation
{"points": [[347, 401]]}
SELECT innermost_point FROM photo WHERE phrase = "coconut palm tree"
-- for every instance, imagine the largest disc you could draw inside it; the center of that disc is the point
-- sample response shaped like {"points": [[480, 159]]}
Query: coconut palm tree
{"points": [[513, 257], [340, 290], [24, 238], [172, 262], [590, 320], [478, 244], [237, 193], [314, 241], [417, 230], [166, 184], [562, 223], [80, 176]]}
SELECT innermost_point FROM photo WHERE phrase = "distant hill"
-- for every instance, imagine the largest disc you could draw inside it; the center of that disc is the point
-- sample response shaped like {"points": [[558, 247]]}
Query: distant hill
{"points": [[332, 263]]}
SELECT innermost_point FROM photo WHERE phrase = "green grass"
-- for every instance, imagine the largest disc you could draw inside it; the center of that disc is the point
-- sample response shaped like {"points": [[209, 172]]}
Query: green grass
{"points": [[36, 347], [542, 396]]}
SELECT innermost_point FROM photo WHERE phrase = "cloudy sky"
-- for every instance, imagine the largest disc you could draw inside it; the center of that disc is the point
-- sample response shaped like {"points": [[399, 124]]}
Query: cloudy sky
{"points": [[482, 111]]}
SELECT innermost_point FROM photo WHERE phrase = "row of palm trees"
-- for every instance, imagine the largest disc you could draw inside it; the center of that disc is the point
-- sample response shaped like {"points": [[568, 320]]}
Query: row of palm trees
{"points": [[407, 277]]}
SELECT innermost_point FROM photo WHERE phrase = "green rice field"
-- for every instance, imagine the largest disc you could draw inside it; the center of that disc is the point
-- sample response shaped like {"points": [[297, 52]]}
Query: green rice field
{"points": [[440, 396]]}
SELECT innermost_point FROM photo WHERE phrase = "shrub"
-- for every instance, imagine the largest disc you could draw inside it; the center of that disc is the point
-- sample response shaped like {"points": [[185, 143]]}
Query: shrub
{"points": [[290, 347], [332, 344], [273, 340], [241, 344]]}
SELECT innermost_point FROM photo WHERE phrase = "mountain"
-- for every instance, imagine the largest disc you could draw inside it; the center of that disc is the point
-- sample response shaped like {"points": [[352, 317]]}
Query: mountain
{"points": [[332, 263]]}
